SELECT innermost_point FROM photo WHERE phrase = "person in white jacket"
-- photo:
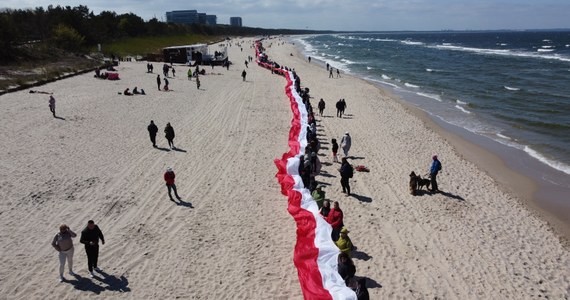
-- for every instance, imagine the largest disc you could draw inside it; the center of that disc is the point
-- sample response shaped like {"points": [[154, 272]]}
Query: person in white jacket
{"points": [[345, 144]]}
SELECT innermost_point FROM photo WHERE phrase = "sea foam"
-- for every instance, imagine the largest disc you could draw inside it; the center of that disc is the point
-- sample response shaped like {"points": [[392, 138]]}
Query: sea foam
{"points": [[552, 163]]}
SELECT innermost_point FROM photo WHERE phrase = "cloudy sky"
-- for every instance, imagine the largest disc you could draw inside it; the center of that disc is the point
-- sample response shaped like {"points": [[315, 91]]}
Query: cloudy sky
{"points": [[350, 14]]}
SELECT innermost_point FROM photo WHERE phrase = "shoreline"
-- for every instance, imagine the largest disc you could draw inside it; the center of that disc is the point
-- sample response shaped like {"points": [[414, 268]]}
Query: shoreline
{"points": [[477, 149]]}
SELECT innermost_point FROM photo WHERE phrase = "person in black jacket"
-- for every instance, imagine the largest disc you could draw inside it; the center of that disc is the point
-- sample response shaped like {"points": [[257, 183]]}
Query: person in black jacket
{"points": [[152, 130], [322, 105], [346, 268], [361, 290], [90, 237], [346, 172], [169, 135], [158, 82]]}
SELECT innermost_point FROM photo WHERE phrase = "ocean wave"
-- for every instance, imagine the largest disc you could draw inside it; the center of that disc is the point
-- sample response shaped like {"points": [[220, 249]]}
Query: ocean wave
{"points": [[382, 82], [385, 40], [552, 163], [503, 136], [340, 44], [369, 68], [430, 70], [511, 88], [462, 109], [544, 50], [411, 85], [406, 42], [461, 102], [432, 96], [386, 77], [347, 61], [504, 52], [547, 47]]}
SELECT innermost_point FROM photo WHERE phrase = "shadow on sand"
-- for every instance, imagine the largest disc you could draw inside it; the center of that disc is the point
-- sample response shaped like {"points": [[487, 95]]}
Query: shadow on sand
{"points": [[361, 198], [185, 204]]}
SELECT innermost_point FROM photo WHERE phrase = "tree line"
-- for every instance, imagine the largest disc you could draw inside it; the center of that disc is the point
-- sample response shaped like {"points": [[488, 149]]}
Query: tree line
{"points": [[77, 29]]}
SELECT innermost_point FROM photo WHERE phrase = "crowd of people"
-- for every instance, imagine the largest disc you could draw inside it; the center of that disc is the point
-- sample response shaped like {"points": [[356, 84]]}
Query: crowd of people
{"points": [[310, 168]]}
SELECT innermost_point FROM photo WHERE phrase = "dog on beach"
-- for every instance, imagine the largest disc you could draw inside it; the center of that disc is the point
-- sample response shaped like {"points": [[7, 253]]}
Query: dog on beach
{"points": [[413, 183], [417, 183]]}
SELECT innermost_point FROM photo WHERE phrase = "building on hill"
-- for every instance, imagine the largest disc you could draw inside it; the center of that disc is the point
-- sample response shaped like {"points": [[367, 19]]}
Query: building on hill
{"points": [[235, 21], [190, 17]]}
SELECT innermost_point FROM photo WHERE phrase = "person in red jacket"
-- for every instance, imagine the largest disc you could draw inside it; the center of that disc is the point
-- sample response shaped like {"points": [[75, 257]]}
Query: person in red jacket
{"points": [[335, 219], [169, 178]]}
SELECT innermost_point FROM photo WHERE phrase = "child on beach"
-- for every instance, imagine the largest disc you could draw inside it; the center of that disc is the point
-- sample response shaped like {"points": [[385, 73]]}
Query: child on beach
{"points": [[334, 150]]}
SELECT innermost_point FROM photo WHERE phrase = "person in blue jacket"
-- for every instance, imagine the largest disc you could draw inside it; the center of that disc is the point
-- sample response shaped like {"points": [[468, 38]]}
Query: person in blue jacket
{"points": [[435, 168]]}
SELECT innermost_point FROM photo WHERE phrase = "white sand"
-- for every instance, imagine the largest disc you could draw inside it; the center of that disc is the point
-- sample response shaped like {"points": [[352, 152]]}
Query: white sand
{"points": [[237, 242], [99, 164]]}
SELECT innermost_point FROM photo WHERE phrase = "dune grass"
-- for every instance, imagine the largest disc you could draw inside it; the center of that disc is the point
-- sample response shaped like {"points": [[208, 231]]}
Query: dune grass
{"points": [[153, 44]]}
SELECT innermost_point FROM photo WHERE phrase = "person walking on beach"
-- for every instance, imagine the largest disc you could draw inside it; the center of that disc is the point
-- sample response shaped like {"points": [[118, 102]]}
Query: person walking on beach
{"points": [[331, 73], [335, 219], [169, 135], [52, 105], [243, 74], [197, 82], [190, 74], [63, 243], [337, 73], [173, 72], [169, 177], [322, 105], [435, 168], [309, 59], [334, 150], [152, 130], [339, 108], [328, 66], [90, 237], [158, 81], [346, 172], [246, 64], [342, 106], [346, 143]]}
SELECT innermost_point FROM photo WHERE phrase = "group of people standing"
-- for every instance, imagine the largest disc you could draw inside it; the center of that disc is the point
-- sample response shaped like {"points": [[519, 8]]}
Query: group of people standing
{"points": [[168, 134], [63, 244]]}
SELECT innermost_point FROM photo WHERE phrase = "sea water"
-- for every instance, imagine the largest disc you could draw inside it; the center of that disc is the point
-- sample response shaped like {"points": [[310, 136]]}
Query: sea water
{"points": [[512, 87]]}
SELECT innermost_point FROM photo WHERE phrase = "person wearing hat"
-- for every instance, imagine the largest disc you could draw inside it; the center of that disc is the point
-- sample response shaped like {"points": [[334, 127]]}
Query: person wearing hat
{"points": [[344, 243], [169, 178], [346, 143], [435, 168], [319, 195]]}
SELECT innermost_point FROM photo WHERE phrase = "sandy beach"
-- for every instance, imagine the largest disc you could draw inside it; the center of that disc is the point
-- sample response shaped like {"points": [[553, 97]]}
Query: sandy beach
{"points": [[475, 241]]}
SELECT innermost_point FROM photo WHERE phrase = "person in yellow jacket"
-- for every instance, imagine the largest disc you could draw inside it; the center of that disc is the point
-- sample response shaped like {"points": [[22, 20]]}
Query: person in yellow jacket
{"points": [[344, 243]]}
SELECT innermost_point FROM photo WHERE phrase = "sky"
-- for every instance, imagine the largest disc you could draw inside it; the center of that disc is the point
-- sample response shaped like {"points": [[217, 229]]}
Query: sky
{"points": [[349, 15]]}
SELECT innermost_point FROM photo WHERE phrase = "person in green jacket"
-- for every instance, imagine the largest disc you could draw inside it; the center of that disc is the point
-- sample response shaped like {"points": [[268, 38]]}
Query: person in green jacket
{"points": [[190, 74], [319, 195], [344, 243]]}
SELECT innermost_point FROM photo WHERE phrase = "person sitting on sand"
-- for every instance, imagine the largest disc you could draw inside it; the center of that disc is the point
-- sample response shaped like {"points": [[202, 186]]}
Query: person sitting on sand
{"points": [[136, 91], [127, 92], [344, 243], [319, 196], [335, 218], [324, 211]]}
